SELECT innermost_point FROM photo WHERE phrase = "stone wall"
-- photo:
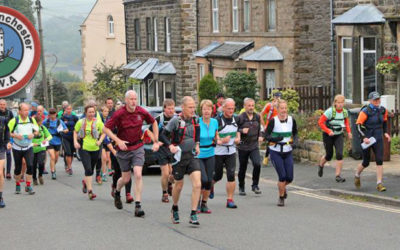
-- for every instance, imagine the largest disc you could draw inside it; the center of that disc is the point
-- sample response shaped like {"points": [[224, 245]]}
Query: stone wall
{"points": [[309, 150]]}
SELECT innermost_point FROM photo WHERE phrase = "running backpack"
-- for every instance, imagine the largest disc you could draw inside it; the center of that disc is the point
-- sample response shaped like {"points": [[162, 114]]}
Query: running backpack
{"points": [[17, 122], [47, 125], [178, 135]]}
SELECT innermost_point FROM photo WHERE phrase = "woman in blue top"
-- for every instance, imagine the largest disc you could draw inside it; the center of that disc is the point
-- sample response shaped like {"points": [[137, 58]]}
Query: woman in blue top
{"points": [[208, 137]]}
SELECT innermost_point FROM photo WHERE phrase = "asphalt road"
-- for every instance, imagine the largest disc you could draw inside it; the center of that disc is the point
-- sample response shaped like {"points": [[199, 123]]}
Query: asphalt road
{"points": [[59, 216]]}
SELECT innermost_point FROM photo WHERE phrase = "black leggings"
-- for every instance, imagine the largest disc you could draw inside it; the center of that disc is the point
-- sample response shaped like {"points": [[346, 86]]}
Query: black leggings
{"points": [[254, 156], [99, 163], [207, 166], [333, 141], [227, 161], [378, 151], [38, 163], [89, 160], [117, 174], [8, 154], [18, 155]]}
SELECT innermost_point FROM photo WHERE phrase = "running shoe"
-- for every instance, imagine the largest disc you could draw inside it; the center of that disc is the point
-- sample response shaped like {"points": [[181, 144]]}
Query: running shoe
{"points": [[110, 172], [175, 217], [285, 195], [231, 204], [242, 191], [29, 190], [70, 172], [357, 182], [204, 209], [35, 182], [211, 196], [139, 212], [194, 220], [104, 177], [84, 188], [129, 198], [340, 179], [169, 189], [2, 204], [320, 171], [8, 176], [165, 198], [41, 181], [17, 189], [380, 187], [281, 202], [98, 180], [117, 201], [91, 195], [53, 176], [256, 189]]}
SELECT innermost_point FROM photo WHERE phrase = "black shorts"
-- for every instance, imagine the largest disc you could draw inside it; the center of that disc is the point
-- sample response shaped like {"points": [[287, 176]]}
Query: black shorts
{"points": [[164, 156], [55, 147], [187, 165], [68, 146], [106, 148]]}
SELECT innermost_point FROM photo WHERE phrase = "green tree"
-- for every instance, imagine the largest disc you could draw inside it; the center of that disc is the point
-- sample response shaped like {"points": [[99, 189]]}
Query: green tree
{"points": [[23, 6], [60, 93], [208, 88], [240, 85], [109, 82], [78, 92]]}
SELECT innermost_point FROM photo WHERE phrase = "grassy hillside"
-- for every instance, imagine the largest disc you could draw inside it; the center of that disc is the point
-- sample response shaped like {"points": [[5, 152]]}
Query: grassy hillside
{"points": [[7, 66]]}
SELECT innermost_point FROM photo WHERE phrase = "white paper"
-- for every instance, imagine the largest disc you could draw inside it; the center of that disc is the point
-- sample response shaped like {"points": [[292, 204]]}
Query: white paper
{"points": [[60, 128], [178, 154], [44, 144], [372, 141]]}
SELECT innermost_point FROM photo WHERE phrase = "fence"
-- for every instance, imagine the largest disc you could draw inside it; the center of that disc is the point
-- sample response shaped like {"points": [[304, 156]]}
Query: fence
{"points": [[311, 97], [394, 122]]}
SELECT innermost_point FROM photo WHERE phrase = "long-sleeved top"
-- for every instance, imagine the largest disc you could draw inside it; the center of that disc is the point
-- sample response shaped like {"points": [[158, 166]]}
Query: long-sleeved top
{"points": [[249, 141]]}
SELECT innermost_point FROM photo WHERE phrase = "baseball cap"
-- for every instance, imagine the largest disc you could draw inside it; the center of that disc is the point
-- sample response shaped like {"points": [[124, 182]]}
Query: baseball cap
{"points": [[374, 95], [34, 104], [278, 94]]}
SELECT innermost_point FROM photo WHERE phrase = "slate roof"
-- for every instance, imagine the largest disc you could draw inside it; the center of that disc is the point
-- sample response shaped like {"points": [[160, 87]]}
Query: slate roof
{"points": [[204, 51], [265, 54], [230, 50], [164, 69], [133, 64], [361, 14], [145, 69]]}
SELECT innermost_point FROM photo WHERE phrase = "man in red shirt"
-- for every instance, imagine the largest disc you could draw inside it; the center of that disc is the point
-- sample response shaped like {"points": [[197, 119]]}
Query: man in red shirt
{"points": [[128, 122]]}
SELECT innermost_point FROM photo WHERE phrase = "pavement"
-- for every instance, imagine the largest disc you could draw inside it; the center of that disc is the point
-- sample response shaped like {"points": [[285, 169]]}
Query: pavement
{"points": [[306, 178], [60, 216]]}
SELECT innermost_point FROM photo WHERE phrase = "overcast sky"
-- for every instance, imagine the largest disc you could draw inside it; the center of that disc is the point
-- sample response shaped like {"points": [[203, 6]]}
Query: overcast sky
{"points": [[64, 8]]}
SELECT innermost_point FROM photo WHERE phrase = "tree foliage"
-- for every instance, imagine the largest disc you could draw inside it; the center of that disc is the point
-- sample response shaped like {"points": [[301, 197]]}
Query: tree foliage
{"points": [[240, 85], [109, 82], [23, 6], [60, 93], [208, 88]]}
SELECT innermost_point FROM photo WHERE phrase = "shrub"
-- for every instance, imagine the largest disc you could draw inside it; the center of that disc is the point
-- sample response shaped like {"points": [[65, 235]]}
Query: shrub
{"points": [[240, 85], [208, 88], [292, 98]]}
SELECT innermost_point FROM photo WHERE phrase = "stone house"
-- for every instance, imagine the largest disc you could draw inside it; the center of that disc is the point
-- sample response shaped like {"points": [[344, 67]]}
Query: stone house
{"points": [[103, 37], [161, 37], [285, 43], [365, 30]]}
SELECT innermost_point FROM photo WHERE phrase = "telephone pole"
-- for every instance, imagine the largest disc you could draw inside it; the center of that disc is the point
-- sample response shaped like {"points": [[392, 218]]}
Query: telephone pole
{"points": [[44, 80]]}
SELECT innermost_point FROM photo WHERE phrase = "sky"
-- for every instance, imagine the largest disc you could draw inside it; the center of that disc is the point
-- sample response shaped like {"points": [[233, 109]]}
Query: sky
{"points": [[65, 8]]}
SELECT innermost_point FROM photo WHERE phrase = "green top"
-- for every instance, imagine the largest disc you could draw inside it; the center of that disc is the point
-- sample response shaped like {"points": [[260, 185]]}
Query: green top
{"points": [[89, 142], [37, 140], [283, 134], [61, 112], [335, 120]]}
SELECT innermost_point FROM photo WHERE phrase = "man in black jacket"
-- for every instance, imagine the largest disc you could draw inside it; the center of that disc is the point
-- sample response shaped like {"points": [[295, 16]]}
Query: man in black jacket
{"points": [[6, 115]]}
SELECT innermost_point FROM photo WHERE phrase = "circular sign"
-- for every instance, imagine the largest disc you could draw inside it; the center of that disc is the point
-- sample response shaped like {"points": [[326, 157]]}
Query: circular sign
{"points": [[19, 51]]}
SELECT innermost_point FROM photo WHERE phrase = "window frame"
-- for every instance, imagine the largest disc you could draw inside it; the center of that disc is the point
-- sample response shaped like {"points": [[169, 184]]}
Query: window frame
{"points": [[362, 52], [167, 21], [269, 15], [215, 15], [155, 34], [235, 16], [342, 52], [138, 45], [149, 33], [246, 15], [110, 26]]}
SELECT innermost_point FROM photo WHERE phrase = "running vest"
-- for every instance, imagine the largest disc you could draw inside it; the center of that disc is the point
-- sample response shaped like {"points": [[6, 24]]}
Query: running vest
{"points": [[178, 135], [82, 131], [375, 117], [336, 122], [283, 129], [23, 128], [48, 126], [225, 130], [163, 122]]}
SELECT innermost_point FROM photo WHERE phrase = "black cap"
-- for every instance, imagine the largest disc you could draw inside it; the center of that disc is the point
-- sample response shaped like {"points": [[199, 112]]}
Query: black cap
{"points": [[220, 95], [278, 94], [374, 95]]}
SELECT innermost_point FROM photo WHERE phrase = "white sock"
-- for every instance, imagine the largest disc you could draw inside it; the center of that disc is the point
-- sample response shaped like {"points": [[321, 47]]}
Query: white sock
{"points": [[357, 175]]}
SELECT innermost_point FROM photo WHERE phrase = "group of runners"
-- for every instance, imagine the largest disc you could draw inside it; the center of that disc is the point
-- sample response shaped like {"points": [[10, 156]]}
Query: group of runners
{"points": [[112, 141]]}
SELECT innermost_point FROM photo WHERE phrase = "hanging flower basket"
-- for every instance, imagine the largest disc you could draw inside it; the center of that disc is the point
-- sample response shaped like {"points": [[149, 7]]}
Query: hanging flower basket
{"points": [[388, 64]]}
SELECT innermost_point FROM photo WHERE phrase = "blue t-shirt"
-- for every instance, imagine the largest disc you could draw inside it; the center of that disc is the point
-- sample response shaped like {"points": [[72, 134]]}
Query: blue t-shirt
{"points": [[69, 121], [52, 128], [207, 135]]}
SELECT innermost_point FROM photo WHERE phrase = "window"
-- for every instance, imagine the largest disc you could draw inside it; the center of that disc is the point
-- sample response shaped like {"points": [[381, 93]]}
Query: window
{"points": [[269, 79], [235, 16], [168, 90], [149, 38], [167, 35], [271, 15], [246, 15], [144, 93], [155, 27], [136, 87], [368, 70], [110, 21], [347, 69], [201, 71], [137, 35], [215, 17]]}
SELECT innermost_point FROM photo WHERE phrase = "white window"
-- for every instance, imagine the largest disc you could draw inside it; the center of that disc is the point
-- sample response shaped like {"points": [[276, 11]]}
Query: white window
{"points": [[246, 15], [167, 88], [201, 71], [136, 87], [368, 70], [155, 30], [110, 21], [270, 82], [167, 35], [215, 16], [347, 69], [271, 15], [235, 16], [143, 88]]}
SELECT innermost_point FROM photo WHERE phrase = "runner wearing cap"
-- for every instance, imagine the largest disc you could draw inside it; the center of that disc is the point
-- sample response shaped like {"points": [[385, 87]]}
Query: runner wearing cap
{"points": [[217, 108], [269, 111], [372, 125]]}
